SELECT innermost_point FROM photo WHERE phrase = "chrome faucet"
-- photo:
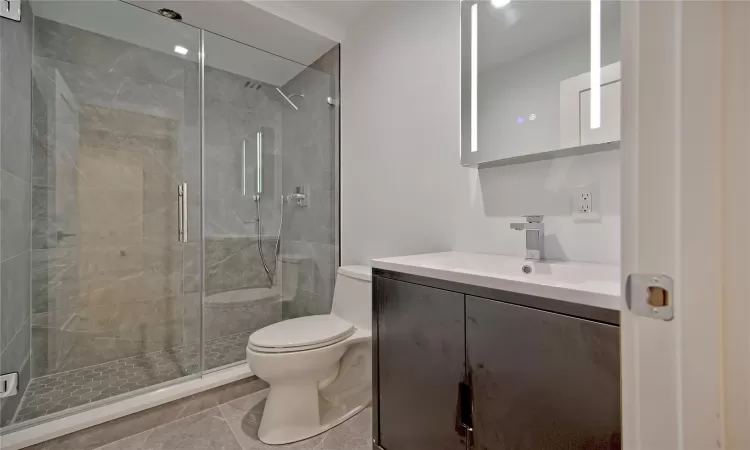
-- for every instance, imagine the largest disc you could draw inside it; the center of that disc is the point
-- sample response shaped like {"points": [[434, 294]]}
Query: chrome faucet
{"points": [[534, 236]]}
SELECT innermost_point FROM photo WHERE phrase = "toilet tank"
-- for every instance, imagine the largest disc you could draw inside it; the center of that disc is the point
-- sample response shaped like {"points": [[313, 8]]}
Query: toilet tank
{"points": [[352, 295]]}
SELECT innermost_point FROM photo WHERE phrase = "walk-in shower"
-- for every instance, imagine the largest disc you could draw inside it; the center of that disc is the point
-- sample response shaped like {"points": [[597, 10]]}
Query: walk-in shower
{"points": [[149, 220]]}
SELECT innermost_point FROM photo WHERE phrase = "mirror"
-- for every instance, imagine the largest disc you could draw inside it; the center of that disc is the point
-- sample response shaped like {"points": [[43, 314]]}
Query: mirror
{"points": [[540, 79]]}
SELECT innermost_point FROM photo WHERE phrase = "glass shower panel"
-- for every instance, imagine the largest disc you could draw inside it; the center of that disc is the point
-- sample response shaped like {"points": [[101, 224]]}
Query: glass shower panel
{"points": [[310, 236], [242, 166], [269, 136], [115, 131]]}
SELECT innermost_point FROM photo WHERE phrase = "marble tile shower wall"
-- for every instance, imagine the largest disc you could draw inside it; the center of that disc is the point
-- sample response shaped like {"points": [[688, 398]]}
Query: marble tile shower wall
{"points": [[111, 123], [310, 159], [234, 112], [15, 204], [238, 296]]}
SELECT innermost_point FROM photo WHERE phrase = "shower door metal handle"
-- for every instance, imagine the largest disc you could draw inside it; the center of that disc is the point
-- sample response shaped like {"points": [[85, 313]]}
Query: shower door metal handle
{"points": [[259, 163], [182, 213], [244, 167]]}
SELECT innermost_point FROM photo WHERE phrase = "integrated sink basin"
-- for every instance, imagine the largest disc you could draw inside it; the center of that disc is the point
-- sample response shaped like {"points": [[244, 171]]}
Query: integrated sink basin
{"points": [[582, 283]]}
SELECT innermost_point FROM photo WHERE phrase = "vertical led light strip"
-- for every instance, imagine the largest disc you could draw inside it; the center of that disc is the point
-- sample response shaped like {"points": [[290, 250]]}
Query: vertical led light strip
{"points": [[259, 161], [596, 64], [474, 58]]}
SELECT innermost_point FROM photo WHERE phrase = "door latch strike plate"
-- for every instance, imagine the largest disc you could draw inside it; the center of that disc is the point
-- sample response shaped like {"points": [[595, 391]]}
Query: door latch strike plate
{"points": [[650, 295], [11, 9]]}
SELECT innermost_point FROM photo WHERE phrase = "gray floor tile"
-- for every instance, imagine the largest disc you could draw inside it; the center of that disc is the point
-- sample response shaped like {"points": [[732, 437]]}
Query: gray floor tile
{"points": [[244, 414], [207, 430], [233, 426], [354, 434], [129, 443]]}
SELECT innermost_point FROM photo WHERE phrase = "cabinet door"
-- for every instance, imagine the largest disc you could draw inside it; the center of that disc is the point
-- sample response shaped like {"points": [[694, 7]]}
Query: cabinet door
{"points": [[541, 380], [421, 363]]}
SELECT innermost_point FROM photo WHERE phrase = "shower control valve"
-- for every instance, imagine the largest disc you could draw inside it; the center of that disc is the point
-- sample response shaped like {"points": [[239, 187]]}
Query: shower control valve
{"points": [[300, 196]]}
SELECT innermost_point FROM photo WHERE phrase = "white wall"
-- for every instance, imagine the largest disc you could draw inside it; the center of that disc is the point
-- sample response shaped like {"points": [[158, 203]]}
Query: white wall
{"points": [[498, 196], [399, 131], [403, 190]]}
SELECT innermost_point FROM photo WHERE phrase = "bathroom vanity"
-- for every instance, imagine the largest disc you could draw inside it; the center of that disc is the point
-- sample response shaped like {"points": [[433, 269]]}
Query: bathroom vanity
{"points": [[493, 352]]}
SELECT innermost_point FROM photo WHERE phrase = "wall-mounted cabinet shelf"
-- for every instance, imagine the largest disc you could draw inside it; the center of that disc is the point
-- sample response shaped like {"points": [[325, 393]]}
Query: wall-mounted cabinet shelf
{"points": [[552, 154]]}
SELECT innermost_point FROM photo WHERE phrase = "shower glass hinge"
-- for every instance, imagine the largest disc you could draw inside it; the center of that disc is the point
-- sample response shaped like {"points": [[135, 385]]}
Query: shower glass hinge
{"points": [[9, 384], [11, 9]]}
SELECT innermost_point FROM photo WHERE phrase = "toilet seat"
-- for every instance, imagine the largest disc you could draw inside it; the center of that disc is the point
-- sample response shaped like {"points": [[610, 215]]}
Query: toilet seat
{"points": [[303, 333]]}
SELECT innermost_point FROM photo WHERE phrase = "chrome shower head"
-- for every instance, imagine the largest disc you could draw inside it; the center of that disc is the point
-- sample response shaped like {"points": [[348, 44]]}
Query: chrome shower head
{"points": [[274, 92], [289, 98]]}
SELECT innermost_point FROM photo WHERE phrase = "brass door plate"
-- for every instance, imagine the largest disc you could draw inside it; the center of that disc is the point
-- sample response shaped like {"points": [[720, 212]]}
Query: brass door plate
{"points": [[650, 295]]}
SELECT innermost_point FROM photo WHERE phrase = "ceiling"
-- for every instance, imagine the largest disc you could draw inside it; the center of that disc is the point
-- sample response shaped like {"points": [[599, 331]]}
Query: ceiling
{"points": [[269, 34], [331, 18], [243, 22]]}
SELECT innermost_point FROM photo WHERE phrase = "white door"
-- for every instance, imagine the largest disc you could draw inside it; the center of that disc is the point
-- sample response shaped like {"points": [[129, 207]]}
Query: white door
{"points": [[686, 165]]}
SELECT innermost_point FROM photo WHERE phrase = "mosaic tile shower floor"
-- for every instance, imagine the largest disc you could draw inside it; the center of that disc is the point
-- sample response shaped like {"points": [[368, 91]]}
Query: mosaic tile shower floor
{"points": [[58, 392]]}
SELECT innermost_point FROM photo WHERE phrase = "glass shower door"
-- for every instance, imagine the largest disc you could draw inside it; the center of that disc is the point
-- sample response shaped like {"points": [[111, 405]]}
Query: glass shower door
{"points": [[115, 192]]}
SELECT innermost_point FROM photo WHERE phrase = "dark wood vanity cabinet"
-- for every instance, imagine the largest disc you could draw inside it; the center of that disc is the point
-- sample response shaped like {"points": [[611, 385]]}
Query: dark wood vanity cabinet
{"points": [[541, 380], [421, 362], [536, 379]]}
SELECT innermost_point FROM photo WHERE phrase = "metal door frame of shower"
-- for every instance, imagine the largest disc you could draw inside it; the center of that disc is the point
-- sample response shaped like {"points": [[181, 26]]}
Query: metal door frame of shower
{"points": [[202, 234]]}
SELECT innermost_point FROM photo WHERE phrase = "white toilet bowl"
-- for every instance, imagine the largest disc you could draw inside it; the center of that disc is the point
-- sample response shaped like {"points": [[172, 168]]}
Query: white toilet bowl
{"points": [[318, 367]]}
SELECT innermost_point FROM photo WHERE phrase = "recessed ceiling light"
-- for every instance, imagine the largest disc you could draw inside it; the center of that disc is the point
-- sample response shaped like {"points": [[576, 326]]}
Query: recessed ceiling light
{"points": [[170, 14], [500, 3], [181, 50]]}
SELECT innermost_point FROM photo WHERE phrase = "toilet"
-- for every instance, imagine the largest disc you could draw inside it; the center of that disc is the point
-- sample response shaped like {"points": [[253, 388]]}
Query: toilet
{"points": [[318, 367]]}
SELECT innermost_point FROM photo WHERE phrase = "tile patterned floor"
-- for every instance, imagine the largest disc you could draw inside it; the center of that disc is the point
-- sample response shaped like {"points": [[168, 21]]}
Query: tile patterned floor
{"points": [[226, 350], [58, 392], [234, 426]]}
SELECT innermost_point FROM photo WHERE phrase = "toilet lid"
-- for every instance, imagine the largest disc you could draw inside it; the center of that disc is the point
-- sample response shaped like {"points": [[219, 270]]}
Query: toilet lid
{"points": [[303, 332]]}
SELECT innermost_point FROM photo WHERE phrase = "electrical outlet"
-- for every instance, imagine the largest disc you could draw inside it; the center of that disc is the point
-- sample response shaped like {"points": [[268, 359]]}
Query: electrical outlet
{"points": [[584, 206], [584, 203]]}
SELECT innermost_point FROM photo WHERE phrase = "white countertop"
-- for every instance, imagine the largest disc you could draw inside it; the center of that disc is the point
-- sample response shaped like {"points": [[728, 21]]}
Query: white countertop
{"points": [[582, 283]]}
